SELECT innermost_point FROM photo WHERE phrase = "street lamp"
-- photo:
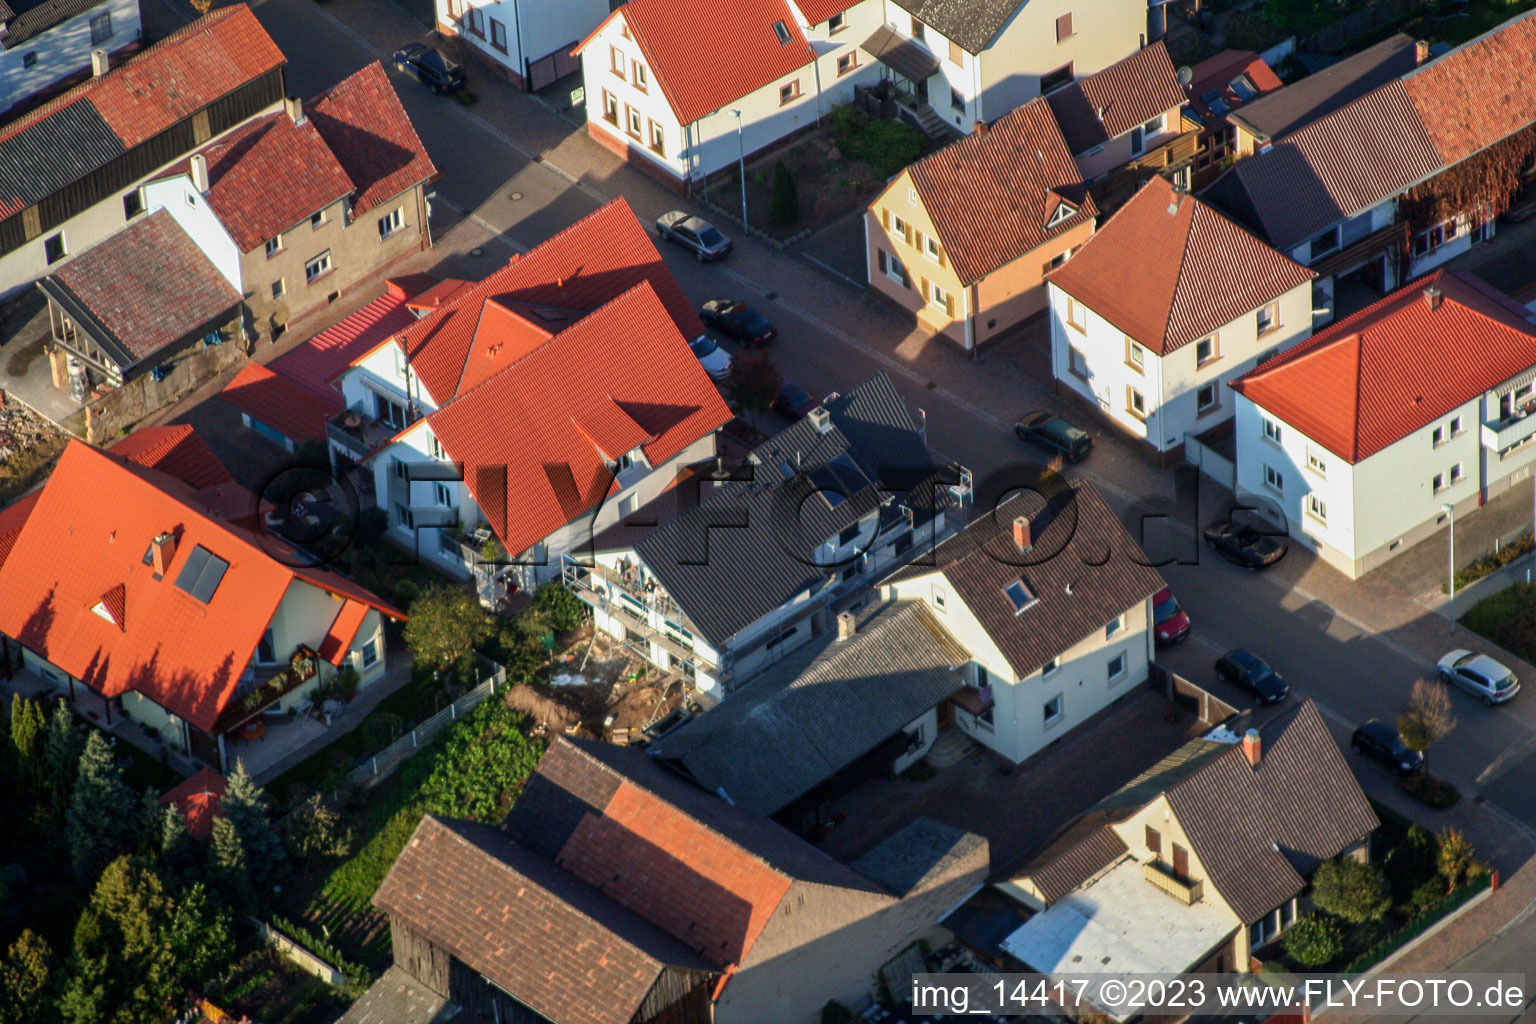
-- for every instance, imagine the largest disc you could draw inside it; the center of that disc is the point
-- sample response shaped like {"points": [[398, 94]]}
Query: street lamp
{"points": [[1450, 511], [741, 145]]}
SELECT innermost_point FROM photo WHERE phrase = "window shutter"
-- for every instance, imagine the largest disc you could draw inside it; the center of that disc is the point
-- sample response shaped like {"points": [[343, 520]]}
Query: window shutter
{"points": [[906, 232], [1064, 27], [949, 304], [925, 291], [880, 259], [885, 218], [201, 131], [942, 261], [31, 223]]}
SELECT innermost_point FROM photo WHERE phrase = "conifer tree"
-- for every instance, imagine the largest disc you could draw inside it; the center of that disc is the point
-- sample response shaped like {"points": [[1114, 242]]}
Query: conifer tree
{"points": [[103, 811]]}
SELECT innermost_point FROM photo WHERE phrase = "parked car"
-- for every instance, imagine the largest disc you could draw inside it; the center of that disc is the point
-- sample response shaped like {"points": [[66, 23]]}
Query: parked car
{"points": [[1252, 673], [1170, 623], [1376, 739], [793, 401], [695, 234], [430, 67], [1243, 545], [1054, 434], [738, 320], [1480, 676], [716, 360]]}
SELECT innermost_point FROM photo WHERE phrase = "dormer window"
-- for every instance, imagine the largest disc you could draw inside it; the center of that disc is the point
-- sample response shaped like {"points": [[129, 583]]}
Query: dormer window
{"points": [[782, 31], [1064, 211]]}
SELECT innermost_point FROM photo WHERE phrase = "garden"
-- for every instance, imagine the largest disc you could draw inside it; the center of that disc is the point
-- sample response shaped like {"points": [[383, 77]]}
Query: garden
{"points": [[1508, 618]]}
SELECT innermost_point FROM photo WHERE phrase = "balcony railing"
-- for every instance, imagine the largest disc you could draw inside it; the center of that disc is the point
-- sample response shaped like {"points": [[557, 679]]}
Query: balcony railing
{"points": [[1501, 435], [612, 594], [357, 432], [302, 666], [1185, 890]]}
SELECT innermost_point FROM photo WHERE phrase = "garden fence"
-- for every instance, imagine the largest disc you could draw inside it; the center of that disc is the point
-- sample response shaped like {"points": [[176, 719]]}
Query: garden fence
{"points": [[376, 766]]}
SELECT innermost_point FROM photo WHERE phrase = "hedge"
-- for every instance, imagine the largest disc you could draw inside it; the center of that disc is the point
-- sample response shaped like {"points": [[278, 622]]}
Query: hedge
{"points": [[1416, 927]]}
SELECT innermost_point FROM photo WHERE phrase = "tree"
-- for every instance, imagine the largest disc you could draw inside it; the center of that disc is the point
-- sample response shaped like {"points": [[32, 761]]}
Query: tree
{"points": [[1351, 890], [26, 980], [245, 805], [62, 747], [315, 830], [122, 969], [446, 625], [178, 850], [755, 381], [201, 937], [229, 869], [1455, 856], [103, 811], [1411, 862], [784, 206], [562, 609], [1426, 717], [28, 733], [1300, 16], [1312, 941]]}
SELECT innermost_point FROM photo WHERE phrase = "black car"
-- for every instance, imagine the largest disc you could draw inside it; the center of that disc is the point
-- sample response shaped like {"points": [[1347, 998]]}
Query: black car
{"points": [[1243, 545], [430, 67], [1252, 673], [1379, 740], [695, 234], [793, 402], [738, 320], [1054, 434]]}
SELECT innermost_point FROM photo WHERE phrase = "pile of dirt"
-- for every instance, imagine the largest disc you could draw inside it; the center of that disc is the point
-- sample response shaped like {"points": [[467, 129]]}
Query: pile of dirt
{"points": [[554, 715], [29, 446]]}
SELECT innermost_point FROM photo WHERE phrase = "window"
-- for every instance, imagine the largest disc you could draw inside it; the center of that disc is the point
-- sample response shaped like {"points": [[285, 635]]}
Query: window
{"points": [[1138, 140], [317, 267], [274, 245], [627, 505], [849, 535], [393, 413], [266, 649], [893, 268], [1077, 315], [616, 61], [658, 139], [403, 517], [191, 199], [919, 30], [1056, 261], [782, 31], [848, 62], [1058, 79], [1456, 473], [1428, 241], [1077, 363], [1064, 27], [633, 119], [1117, 667], [29, 58], [931, 249], [101, 28], [982, 682], [1317, 462], [956, 54], [788, 93], [477, 22], [442, 493], [1268, 317], [1180, 861], [391, 222], [1437, 483], [456, 11], [435, 447], [836, 24], [1205, 351], [1135, 403], [1317, 509], [1206, 399], [213, 339], [938, 599], [317, 219], [1154, 840], [133, 204], [1273, 479], [498, 35], [1135, 356], [278, 288], [1020, 596], [901, 227], [1053, 709], [940, 299], [639, 76], [610, 107], [1271, 430], [1455, 425], [1051, 667], [1323, 244], [956, 99], [54, 248], [1437, 437], [370, 652], [400, 468], [1114, 626]]}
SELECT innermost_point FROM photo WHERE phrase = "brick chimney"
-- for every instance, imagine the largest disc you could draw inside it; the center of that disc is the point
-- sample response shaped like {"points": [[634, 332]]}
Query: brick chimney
{"points": [[199, 164], [980, 127], [1022, 538], [1253, 747], [1421, 51], [294, 108], [100, 63], [162, 550], [1432, 296]]}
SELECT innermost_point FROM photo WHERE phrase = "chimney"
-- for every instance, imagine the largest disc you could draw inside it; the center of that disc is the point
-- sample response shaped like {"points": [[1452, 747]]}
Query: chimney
{"points": [[100, 64], [1021, 535], [200, 173], [820, 418], [1432, 296], [162, 549], [1252, 746], [846, 626], [980, 128], [294, 108], [1421, 51]]}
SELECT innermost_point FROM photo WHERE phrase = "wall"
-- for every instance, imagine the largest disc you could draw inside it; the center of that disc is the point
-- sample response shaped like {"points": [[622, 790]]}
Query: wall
{"points": [[926, 727], [1100, 160], [197, 219], [1016, 291], [64, 50], [1026, 49], [172, 730], [533, 30], [900, 199]]}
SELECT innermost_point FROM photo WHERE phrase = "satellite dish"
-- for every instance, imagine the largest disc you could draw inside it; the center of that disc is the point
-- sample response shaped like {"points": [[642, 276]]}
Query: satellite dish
{"points": [[1186, 75]]}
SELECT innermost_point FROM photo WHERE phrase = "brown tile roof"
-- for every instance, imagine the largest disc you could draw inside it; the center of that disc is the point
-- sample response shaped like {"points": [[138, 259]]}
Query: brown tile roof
{"points": [[1109, 103], [361, 119], [1088, 848], [1319, 94], [1478, 93], [991, 194], [1167, 269], [1083, 567], [1259, 832], [568, 951]]}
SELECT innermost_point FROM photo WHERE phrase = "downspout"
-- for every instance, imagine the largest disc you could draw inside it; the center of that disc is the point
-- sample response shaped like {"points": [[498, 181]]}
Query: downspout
{"points": [[517, 34]]}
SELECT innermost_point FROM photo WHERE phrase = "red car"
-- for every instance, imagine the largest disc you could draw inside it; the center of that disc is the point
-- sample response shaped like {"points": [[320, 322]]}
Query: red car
{"points": [[1170, 623]]}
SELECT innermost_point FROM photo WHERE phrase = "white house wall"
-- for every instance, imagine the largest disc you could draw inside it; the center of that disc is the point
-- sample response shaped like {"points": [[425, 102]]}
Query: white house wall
{"points": [[197, 219], [64, 50], [1026, 48]]}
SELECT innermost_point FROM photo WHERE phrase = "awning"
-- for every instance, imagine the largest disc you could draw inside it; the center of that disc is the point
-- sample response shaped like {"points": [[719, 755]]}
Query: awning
{"points": [[901, 55]]}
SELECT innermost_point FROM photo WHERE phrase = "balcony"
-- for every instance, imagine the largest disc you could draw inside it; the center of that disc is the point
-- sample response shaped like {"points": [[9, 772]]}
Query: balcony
{"points": [[302, 666], [1386, 239], [1504, 434], [358, 433], [624, 598], [1186, 891]]}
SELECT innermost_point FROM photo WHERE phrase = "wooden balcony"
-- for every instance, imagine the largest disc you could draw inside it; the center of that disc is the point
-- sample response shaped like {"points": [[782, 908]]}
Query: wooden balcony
{"points": [[1389, 239], [1186, 891], [1113, 189], [302, 666]]}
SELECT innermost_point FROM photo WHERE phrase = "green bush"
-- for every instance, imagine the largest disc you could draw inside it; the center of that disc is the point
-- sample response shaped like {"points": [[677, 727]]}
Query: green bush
{"points": [[846, 121], [1492, 562], [1429, 790], [381, 729], [1351, 890], [405, 592], [562, 609], [1416, 927], [887, 146], [1427, 894], [784, 205], [1312, 941], [346, 682], [1411, 863], [357, 977]]}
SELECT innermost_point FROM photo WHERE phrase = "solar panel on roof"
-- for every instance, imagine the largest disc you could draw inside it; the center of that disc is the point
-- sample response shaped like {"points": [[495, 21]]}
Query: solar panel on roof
{"points": [[201, 573]]}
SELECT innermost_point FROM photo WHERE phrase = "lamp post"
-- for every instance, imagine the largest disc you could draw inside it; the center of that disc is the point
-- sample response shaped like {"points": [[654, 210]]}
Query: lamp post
{"points": [[1450, 511], [741, 145]]}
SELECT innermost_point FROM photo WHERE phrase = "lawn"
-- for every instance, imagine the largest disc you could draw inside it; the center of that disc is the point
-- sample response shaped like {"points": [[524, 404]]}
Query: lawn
{"points": [[1508, 618]]}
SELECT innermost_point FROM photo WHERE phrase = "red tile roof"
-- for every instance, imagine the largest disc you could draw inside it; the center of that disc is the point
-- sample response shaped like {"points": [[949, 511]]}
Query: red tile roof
{"points": [[338, 639], [12, 518], [94, 523], [361, 119], [704, 63], [1478, 93], [990, 194], [588, 264], [175, 449], [1110, 102], [1214, 75], [317, 363], [536, 436], [1395, 366], [198, 800], [1167, 269], [439, 294], [281, 403], [818, 11]]}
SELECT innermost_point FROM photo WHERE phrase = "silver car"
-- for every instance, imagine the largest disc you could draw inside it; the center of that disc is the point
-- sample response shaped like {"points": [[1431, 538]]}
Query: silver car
{"points": [[1480, 676], [695, 234]]}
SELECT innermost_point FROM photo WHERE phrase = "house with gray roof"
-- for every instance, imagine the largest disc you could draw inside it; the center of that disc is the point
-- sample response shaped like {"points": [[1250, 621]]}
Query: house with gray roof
{"points": [[47, 45]]}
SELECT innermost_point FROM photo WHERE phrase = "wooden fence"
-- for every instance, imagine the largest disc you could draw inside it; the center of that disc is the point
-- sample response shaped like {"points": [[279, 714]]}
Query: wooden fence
{"points": [[378, 766]]}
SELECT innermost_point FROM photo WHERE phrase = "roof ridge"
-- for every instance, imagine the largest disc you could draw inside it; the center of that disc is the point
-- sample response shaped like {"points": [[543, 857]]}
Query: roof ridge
{"points": [[1179, 198]]}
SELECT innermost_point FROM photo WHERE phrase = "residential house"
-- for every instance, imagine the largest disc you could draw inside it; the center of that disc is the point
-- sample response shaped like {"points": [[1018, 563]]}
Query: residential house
{"points": [[775, 68], [127, 578], [1198, 865], [138, 321], [199, 799], [964, 237], [1052, 600], [528, 41], [685, 907], [788, 538], [1165, 303], [1370, 435], [309, 201], [123, 126], [1124, 124], [1218, 86], [534, 408], [46, 44]]}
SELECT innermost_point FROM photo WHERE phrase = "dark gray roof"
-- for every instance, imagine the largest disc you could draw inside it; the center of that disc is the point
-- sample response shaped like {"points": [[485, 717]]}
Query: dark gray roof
{"points": [[25, 20], [1082, 566], [53, 152], [752, 545], [922, 855], [398, 998], [825, 706], [1317, 95], [900, 54], [971, 23]]}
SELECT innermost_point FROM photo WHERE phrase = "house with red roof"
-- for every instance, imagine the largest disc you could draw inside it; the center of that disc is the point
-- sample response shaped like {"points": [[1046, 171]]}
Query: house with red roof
{"points": [[301, 204], [199, 799], [1368, 437], [1218, 87], [528, 41], [133, 573], [535, 407], [1167, 302], [683, 97]]}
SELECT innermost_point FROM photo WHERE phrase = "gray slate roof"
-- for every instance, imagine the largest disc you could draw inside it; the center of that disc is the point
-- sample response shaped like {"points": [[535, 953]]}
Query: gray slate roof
{"points": [[25, 20], [1083, 566], [398, 998], [1320, 94], [750, 547], [827, 705], [922, 855], [53, 152], [971, 23]]}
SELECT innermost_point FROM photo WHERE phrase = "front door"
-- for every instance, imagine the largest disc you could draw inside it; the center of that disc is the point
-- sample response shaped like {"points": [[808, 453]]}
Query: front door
{"points": [[922, 90], [946, 715]]}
